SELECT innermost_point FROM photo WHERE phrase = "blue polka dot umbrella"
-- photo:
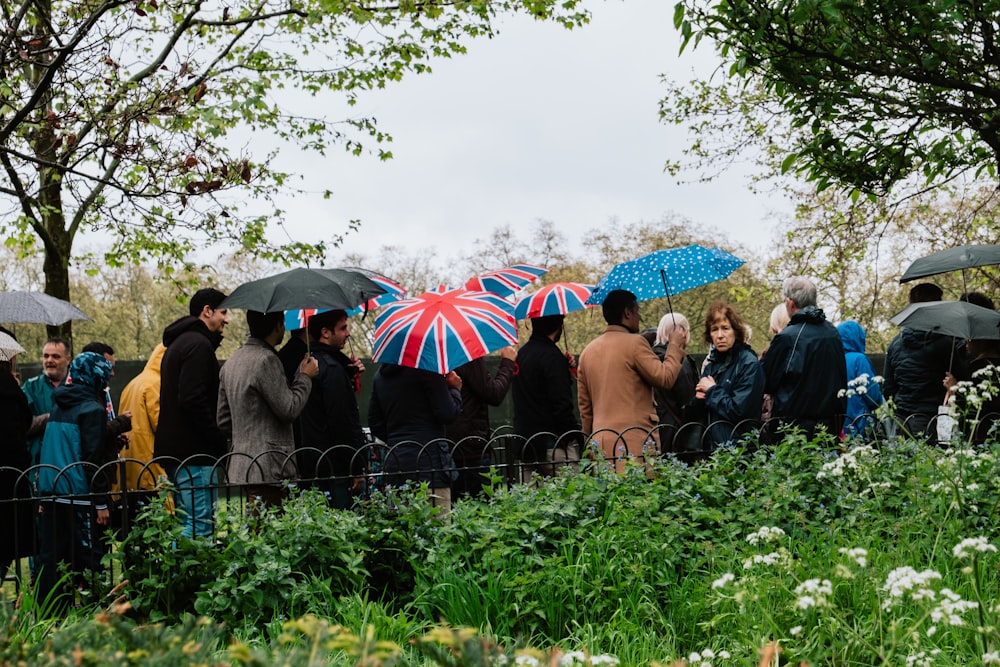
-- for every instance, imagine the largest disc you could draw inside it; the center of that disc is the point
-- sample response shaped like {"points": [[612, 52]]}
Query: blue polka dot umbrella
{"points": [[666, 273]]}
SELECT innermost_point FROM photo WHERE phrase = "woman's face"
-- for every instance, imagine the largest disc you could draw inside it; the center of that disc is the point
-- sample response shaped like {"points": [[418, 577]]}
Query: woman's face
{"points": [[723, 335]]}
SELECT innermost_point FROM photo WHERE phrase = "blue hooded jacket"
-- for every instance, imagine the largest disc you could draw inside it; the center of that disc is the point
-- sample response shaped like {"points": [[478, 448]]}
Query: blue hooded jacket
{"points": [[853, 336], [73, 446]]}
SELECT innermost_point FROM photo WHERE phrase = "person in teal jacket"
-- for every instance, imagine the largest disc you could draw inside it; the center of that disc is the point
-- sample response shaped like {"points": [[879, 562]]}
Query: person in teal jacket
{"points": [[73, 480]]}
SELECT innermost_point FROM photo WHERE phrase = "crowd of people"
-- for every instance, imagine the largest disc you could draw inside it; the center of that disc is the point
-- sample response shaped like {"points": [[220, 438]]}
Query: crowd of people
{"points": [[279, 414]]}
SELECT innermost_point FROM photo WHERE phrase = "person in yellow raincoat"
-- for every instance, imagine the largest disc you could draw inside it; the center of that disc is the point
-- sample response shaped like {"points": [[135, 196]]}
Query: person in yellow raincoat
{"points": [[142, 397]]}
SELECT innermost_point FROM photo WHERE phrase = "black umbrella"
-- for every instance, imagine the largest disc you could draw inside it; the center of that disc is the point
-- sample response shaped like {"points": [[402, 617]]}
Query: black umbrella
{"points": [[952, 259], [37, 308], [952, 318], [305, 288]]}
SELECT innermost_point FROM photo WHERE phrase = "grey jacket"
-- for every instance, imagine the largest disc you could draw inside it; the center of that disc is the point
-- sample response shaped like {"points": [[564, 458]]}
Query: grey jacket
{"points": [[257, 408]]}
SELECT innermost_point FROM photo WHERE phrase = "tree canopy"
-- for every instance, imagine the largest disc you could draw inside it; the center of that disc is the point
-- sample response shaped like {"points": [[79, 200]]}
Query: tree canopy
{"points": [[874, 93], [122, 115]]}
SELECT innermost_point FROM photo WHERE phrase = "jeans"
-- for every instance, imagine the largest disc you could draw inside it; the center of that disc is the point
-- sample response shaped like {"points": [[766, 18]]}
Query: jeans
{"points": [[196, 490]]}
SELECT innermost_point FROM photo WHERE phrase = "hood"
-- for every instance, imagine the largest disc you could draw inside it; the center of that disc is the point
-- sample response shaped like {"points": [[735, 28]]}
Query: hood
{"points": [[810, 314], [853, 336], [390, 370], [155, 359], [189, 323]]}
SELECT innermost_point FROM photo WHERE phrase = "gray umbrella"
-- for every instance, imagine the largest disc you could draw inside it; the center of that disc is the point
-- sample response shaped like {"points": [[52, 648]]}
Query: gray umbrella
{"points": [[9, 348], [952, 259], [952, 318], [38, 308], [305, 288]]}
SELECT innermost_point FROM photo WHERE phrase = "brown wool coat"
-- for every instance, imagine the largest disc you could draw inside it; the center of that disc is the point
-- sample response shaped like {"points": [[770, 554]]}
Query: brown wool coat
{"points": [[617, 373], [257, 408]]}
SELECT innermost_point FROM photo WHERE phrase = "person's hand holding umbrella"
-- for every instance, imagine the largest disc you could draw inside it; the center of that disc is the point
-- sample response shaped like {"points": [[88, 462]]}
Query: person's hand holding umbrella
{"points": [[454, 380], [309, 366]]}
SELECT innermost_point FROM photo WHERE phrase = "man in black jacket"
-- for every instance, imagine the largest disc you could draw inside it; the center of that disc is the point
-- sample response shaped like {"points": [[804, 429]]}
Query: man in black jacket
{"points": [[544, 408], [805, 365], [188, 433], [915, 366], [330, 424]]}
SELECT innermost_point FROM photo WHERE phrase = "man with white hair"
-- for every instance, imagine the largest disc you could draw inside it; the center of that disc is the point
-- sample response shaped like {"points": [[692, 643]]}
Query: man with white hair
{"points": [[805, 365]]}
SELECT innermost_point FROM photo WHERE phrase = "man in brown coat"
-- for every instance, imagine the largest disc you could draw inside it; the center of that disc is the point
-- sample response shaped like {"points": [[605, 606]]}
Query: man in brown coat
{"points": [[617, 373]]}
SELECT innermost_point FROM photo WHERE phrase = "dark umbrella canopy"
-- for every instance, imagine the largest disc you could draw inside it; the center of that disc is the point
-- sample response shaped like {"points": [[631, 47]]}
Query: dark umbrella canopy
{"points": [[37, 308], [952, 259], [305, 288], [951, 318]]}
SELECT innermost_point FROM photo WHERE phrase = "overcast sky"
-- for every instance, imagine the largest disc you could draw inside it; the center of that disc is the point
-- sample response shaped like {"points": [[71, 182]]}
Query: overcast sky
{"points": [[538, 123]]}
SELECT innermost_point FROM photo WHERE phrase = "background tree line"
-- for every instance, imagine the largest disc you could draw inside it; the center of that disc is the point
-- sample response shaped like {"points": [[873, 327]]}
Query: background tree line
{"points": [[855, 248]]}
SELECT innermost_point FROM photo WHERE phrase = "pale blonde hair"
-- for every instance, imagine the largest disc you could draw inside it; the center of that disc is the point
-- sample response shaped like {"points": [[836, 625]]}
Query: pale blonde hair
{"points": [[779, 318], [667, 324]]}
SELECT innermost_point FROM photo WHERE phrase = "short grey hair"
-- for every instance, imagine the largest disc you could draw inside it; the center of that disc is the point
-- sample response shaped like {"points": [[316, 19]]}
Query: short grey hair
{"points": [[667, 324], [800, 290]]}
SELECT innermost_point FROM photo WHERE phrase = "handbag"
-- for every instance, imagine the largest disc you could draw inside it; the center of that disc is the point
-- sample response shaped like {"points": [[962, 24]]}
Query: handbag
{"points": [[694, 422], [945, 425]]}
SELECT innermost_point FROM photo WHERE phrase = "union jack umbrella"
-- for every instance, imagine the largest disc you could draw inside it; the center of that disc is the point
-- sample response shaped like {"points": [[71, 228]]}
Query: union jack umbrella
{"points": [[554, 299], [506, 282], [441, 330], [299, 319]]}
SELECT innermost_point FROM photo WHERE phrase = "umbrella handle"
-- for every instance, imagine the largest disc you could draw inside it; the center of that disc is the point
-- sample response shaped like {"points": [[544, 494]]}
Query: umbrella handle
{"points": [[666, 288]]}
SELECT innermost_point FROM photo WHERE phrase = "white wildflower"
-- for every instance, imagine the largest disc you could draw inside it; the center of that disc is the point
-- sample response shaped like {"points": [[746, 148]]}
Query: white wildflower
{"points": [[992, 658], [796, 631], [813, 593], [972, 546], [765, 534], [951, 607], [905, 580], [723, 580], [858, 555]]}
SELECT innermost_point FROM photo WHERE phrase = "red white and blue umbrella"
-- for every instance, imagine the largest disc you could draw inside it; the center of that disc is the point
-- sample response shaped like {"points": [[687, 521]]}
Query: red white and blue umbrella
{"points": [[554, 299], [666, 273], [441, 330], [299, 319], [506, 282]]}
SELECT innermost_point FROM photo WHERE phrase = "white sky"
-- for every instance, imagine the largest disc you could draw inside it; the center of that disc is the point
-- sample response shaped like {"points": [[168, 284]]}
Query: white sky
{"points": [[538, 123]]}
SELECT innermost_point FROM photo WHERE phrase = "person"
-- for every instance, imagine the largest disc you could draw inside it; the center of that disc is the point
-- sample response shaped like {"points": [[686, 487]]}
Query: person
{"points": [[805, 365], [40, 390], [915, 365], [188, 438], [141, 398], [542, 395], [617, 373], [778, 321], [978, 299], [731, 387], [16, 515], [409, 410], [257, 406], [73, 481], [294, 349], [865, 396], [470, 432], [977, 421], [331, 420], [670, 402]]}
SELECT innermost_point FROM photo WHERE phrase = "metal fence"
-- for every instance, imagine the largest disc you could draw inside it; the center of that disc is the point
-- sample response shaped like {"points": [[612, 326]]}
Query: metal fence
{"points": [[507, 456]]}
